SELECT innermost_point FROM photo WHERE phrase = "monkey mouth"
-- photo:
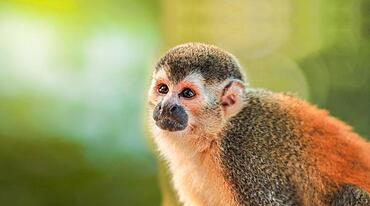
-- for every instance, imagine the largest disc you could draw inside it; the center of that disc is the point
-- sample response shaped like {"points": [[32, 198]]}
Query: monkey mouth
{"points": [[170, 125]]}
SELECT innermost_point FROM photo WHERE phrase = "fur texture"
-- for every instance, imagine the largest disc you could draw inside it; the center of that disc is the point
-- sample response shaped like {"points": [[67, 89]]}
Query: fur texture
{"points": [[291, 153]]}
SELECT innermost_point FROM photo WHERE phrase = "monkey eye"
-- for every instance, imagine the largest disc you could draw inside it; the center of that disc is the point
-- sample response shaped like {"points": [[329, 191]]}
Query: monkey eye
{"points": [[163, 89], [187, 93]]}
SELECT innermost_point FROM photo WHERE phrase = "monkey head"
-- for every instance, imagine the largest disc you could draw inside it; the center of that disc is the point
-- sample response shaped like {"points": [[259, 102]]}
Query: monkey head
{"points": [[195, 89]]}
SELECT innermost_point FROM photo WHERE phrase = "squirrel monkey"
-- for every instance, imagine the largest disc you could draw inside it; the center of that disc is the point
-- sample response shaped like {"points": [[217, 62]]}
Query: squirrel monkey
{"points": [[230, 145]]}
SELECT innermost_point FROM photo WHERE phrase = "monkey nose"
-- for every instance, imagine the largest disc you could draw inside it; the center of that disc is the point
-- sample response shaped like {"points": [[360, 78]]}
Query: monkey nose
{"points": [[170, 117], [174, 109]]}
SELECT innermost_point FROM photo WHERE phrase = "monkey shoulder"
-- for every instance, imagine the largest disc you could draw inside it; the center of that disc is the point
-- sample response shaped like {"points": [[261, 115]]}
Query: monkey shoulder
{"points": [[264, 115], [256, 148]]}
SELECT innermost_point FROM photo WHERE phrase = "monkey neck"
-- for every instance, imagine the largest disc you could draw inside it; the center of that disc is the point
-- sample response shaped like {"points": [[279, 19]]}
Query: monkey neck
{"points": [[189, 144], [195, 166]]}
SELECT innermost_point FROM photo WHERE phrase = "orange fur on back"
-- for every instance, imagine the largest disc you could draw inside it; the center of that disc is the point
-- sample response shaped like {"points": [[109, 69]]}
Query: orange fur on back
{"points": [[339, 154]]}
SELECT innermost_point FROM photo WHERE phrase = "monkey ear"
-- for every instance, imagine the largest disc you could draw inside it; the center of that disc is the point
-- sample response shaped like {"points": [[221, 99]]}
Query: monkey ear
{"points": [[232, 98]]}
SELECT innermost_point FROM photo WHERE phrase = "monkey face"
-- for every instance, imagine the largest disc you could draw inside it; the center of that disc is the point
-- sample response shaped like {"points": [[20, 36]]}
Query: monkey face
{"points": [[173, 104], [190, 106]]}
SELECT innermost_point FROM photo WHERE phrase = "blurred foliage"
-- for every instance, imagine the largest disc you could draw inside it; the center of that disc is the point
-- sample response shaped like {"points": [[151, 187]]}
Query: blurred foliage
{"points": [[71, 126], [74, 74], [53, 171]]}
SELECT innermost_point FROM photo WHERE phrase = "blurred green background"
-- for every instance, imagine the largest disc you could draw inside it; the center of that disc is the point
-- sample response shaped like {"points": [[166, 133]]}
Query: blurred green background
{"points": [[74, 74]]}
